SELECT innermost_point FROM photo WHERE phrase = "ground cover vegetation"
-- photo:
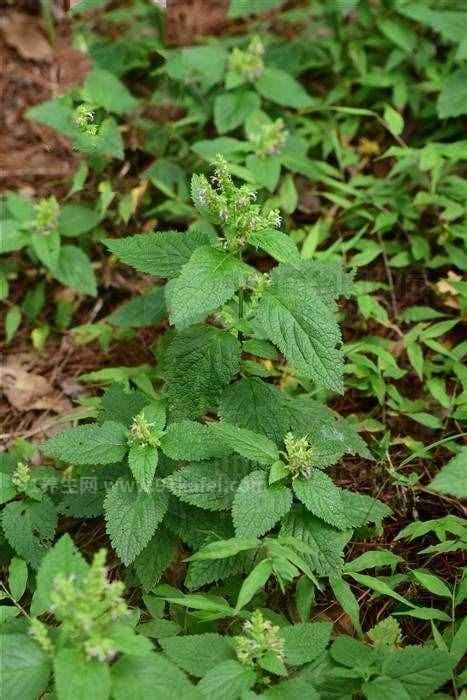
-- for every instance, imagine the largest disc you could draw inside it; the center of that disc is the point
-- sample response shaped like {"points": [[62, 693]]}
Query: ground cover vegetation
{"points": [[256, 488]]}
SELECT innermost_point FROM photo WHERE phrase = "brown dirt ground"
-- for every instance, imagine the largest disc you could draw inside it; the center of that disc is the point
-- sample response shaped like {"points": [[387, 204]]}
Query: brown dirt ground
{"points": [[34, 158]]}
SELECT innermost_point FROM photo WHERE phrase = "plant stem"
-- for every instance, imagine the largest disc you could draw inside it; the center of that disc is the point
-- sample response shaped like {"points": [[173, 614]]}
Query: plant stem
{"points": [[241, 298]]}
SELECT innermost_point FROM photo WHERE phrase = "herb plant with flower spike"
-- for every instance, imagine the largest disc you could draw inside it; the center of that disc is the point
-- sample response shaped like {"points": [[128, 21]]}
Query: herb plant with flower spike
{"points": [[267, 451]]}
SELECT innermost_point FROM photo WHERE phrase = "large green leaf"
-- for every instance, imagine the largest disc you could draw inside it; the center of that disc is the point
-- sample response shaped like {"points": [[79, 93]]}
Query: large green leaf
{"points": [[197, 366], [322, 498], [161, 254], [305, 331], [77, 678], [207, 281], [24, 668], [257, 507], [132, 517], [89, 444]]}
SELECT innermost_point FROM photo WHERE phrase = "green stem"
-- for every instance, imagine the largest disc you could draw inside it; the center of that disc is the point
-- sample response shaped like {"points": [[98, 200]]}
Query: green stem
{"points": [[241, 299]]}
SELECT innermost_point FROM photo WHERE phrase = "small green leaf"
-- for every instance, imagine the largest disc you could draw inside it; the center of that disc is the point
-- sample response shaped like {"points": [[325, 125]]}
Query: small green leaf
{"points": [[280, 87], [142, 460], [452, 479], [17, 578]]}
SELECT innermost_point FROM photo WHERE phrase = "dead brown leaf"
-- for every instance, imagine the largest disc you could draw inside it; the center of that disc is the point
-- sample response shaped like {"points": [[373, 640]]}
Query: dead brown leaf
{"points": [[26, 391], [23, 33]]}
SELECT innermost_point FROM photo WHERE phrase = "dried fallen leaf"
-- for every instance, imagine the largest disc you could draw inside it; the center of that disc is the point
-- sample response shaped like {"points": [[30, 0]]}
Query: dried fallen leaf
{"points": [[23, 34], [26, 391]]}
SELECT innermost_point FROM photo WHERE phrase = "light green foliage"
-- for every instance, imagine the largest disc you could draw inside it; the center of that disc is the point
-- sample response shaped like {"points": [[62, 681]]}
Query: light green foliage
{"points": [[153, 675], [305, 642], [386, 633], [87, 607], [248, 64], [259, 641], [209, 485], [25, 667], [452, 478], [246, 443], [188, 440], [46, 215], [63, 559], [227, 680]]}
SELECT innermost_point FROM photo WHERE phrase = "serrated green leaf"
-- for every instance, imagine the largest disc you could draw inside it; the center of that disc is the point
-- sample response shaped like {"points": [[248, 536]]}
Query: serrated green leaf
{"points": [[73, 269], [255, 404], [452, 479], [132, 517], [419, 669], [29, 527], [17, 578], [142, 460], [188, 440], [257, 507], [361, 509], [277, 244], [104, 89], [384, 688], [140, 312], [232, 108], [209, 485], [322, 498], [64, 559], [150, 677], [305, 331], [155, 558], [197, 654], [452, 100], [160, 254], [246, 443], [305, 642], [25, 668], [227, 681], [326, 543], [120, 405], [76, 219], [77, 678], [89, 444], [7, 490], [197, 366], [280, 87], [209, 279]]}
